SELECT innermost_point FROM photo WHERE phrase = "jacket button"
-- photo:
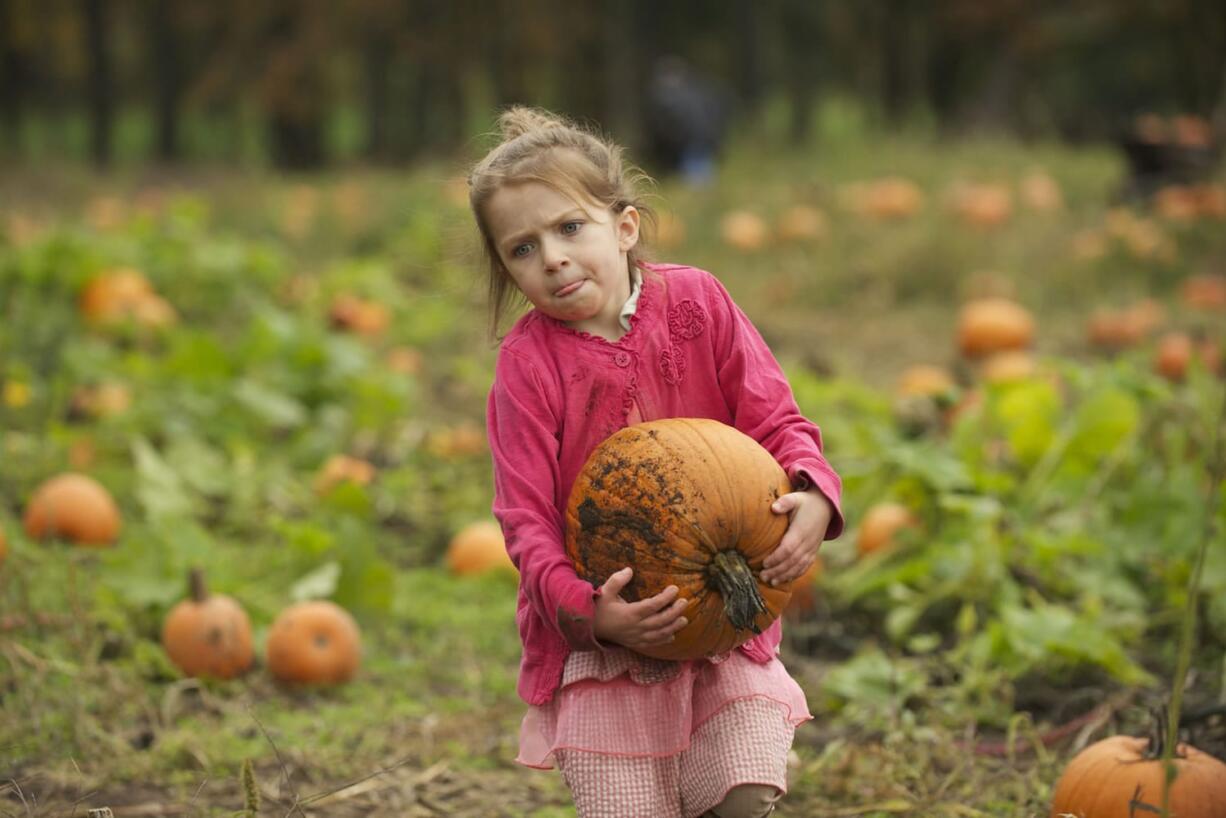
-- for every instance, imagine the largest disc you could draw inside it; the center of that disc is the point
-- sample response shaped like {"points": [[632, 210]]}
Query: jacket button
{"points": [[622, 358]]}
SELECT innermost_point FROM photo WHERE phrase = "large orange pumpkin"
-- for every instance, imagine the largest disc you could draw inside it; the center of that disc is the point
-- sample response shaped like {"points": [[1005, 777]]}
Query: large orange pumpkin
{"points": [[315, 642], [684, 502], [1117, 778], [75, 507], [208, 634]]}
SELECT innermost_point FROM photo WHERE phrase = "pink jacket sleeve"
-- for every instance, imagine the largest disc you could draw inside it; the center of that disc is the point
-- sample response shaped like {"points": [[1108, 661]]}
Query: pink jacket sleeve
{"points": [[762, 406], [523, 423]]}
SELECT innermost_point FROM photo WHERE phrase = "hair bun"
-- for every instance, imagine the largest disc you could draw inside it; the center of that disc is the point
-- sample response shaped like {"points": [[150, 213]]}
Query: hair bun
{"points": [[520, 119]]}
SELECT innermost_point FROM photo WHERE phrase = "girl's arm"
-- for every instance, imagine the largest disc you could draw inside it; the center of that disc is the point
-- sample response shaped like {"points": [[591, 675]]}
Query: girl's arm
{"points": [[762, 405], [523, 430]]}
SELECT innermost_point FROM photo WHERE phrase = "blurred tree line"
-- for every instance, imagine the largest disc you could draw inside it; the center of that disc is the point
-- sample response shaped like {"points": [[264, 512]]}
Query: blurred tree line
{"points": [[408, 78]]}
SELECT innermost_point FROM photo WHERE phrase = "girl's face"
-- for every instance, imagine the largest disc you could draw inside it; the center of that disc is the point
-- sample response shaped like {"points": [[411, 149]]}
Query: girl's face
{"points": [[568, 260]]}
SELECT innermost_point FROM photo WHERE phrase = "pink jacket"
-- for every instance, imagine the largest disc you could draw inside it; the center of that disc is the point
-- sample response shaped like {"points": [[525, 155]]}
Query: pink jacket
{"points": [[558, 393]]}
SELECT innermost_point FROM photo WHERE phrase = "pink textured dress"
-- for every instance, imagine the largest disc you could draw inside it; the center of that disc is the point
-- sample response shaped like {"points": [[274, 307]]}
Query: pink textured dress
{"points": [[639, 736]]}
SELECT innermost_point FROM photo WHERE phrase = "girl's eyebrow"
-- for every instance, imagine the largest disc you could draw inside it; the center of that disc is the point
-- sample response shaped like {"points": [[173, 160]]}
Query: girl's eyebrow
{"points": [[565, 216]]}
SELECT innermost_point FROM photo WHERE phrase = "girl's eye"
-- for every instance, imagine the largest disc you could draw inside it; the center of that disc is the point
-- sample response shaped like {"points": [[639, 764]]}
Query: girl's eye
{"points": [[522, 250], [571, 227]]}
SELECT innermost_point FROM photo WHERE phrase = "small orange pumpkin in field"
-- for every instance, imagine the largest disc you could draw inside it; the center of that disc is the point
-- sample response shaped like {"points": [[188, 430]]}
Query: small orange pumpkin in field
{"points": [[1176, 351], [208, 635], [342, 468], [743, 230], [314, 643], [926, 380], [4, 547], [804, 591], [477, 548], [1009, 366], [1204, 292], [75, 507], [881, 522], [1118, 778], [358, 316], [801, 223], [988, 325], [124, 294], [685, 502]]}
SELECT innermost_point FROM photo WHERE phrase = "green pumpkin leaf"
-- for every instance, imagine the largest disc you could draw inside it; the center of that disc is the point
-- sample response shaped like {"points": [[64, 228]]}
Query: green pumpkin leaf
{"points": [[318, 584]]}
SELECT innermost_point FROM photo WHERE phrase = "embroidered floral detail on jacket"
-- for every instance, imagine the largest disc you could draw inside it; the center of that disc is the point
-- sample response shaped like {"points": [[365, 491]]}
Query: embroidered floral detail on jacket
{"points": [[672, 364], [686, 319]]}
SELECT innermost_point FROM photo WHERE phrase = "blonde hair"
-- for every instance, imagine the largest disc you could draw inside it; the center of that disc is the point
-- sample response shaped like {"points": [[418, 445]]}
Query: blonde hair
{"points": [[538, 146]]}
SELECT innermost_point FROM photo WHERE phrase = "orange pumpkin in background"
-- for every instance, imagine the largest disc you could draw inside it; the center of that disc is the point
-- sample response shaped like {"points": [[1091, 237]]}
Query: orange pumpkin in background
{"points": [[988, 325], [478, 548], [342, 468], [124, 294], [359, 316], [1176, 351], [801, 223], [1118, 778], [926, 380], [684, 502], [208, 634], [314, 643], [744, 230], [880, 525], [1008, 366], [983, 205], [804, 591], [75, 507], [1206, 291]]}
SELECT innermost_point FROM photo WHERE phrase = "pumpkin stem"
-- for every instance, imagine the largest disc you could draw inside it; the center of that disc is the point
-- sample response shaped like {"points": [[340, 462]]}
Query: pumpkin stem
{"points": [[1157, 734], [730, 575], [196, 583]]}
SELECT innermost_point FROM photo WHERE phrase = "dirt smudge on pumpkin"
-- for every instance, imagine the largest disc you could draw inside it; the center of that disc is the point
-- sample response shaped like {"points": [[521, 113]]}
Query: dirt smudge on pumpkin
{"points": [[610, 540]]}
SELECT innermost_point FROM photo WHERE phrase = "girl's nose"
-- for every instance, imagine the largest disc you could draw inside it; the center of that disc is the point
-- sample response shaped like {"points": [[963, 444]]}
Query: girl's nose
{"points": [[554, 255]]}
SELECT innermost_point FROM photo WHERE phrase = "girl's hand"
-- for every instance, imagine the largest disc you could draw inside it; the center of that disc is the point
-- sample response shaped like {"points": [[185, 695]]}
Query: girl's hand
{"points": [[797, 551], [645, 623]]}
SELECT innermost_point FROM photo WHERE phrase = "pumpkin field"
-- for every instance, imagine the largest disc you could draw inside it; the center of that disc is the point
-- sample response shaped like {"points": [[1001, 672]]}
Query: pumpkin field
{"points": [[253, 404]]}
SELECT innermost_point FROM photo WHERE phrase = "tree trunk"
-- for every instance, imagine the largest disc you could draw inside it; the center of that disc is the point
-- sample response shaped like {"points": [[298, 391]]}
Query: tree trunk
{"points": [[893, 24], [166, 65], [504, 59], [801, 30], [101, 93], [378, 93], [12, 71], [294, 95], [622, 69], [749, 78]]}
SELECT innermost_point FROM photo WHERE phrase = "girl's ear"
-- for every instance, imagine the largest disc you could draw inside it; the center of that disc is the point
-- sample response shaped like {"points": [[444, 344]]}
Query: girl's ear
{"points": [[627, 226]]}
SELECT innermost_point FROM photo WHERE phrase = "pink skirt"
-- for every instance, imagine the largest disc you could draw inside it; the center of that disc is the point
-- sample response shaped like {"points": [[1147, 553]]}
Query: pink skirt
{"points": [[690, 722]]}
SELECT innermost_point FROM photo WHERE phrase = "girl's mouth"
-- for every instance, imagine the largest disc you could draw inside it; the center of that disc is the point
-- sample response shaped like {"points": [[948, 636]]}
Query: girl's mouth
{"points": [[568, 289]]}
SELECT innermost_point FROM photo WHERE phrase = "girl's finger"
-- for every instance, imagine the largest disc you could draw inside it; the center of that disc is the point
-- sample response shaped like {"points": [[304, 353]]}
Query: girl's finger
{"points": [[667, 616], [786, 552], [617, 581], [654, 604]]}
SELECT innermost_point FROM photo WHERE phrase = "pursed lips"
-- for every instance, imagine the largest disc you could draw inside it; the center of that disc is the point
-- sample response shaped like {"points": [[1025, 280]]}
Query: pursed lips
{"points": [[568, 288]]}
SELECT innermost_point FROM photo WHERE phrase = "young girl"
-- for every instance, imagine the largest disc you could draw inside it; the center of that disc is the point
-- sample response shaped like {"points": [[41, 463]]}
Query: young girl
{"points": [[611, 341]]}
